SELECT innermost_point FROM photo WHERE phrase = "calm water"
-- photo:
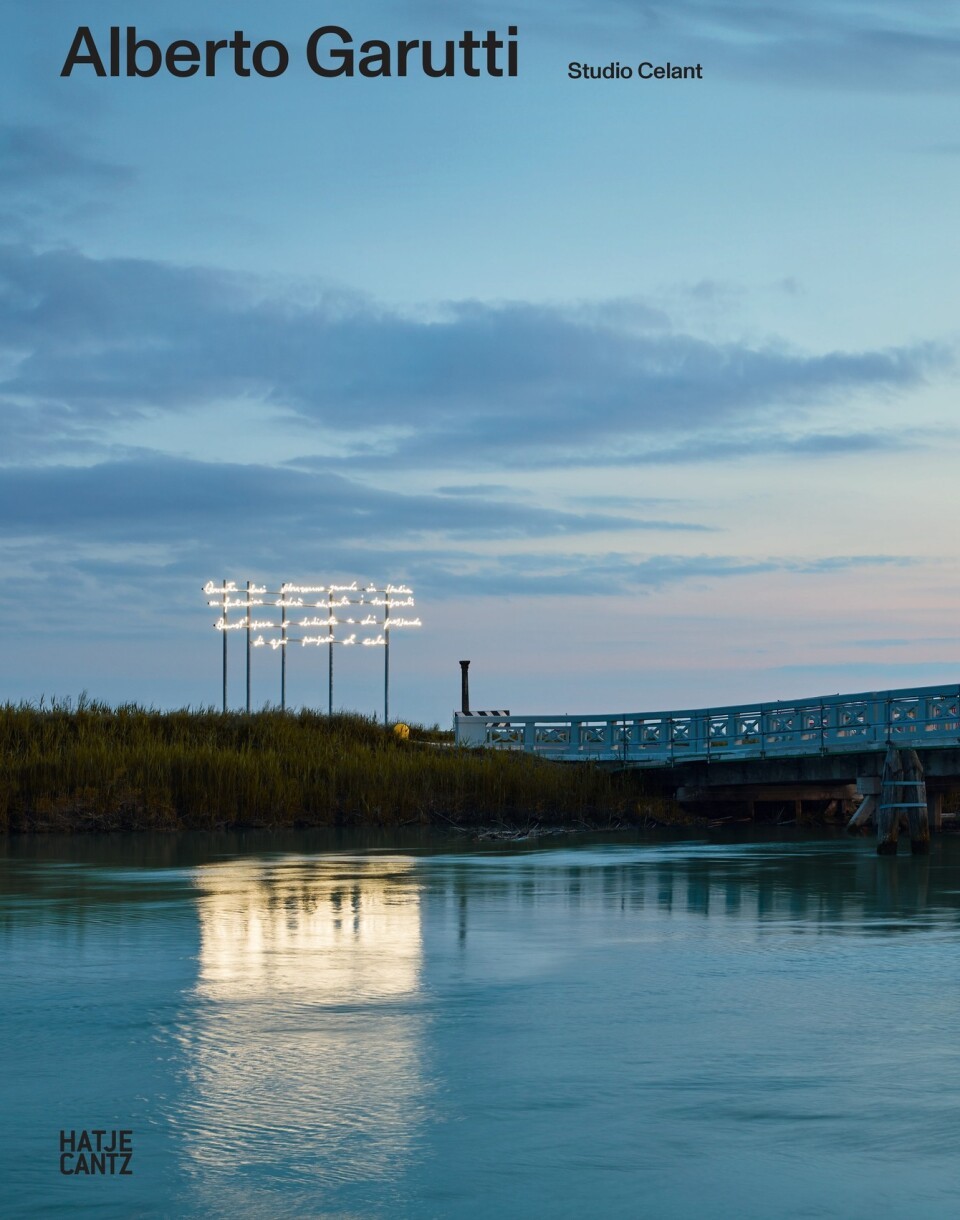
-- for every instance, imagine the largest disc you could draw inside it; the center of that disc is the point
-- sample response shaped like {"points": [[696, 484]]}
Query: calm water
{"points": [[636, 1027]]}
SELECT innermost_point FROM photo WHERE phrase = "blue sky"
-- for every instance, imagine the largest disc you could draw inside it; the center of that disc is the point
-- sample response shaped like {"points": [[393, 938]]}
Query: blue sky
{"points": [[648, 388]]}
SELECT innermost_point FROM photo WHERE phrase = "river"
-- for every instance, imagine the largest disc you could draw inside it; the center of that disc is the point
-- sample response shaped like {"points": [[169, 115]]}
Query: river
{"points": [[658, 1025]]}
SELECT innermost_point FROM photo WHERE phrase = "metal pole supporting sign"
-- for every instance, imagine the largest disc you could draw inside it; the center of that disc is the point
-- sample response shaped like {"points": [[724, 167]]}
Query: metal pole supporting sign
{"points": [[279, 630]]}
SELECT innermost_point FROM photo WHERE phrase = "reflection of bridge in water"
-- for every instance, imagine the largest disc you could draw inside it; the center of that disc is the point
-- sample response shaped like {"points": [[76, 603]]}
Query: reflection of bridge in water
{"points": [[830, 748], [819, 887]]}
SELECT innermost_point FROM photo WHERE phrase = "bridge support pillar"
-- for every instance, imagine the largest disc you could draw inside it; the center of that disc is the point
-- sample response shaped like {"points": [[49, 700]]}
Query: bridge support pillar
{"points": [[903, 802], [935, 810], [868, 788]]}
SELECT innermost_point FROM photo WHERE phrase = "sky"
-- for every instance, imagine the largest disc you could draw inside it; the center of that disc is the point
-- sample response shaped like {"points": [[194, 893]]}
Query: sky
{"points": [[648, 388]]}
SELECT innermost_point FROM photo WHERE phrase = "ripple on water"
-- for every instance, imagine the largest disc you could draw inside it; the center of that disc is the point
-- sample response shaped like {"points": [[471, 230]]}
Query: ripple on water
{"points": [[700, 1026]]}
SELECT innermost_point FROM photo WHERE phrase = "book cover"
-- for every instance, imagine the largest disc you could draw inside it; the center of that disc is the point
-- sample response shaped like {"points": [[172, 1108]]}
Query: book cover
{"points": [[620, 337]]}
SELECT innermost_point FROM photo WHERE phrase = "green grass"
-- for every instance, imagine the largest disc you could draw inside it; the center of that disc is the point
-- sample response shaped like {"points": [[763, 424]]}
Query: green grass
{"points": [[92, 767]]}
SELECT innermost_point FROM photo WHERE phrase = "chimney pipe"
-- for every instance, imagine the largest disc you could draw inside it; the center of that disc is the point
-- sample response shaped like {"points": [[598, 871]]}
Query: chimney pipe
{"points": [[464, 688]]}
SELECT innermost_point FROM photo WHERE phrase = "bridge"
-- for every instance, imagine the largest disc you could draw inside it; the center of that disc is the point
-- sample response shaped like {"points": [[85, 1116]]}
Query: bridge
{"points": [[830, 748]]}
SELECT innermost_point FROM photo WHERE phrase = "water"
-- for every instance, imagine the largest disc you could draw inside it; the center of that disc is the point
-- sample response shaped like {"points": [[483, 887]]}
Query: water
{"points": [[310, 1026]]}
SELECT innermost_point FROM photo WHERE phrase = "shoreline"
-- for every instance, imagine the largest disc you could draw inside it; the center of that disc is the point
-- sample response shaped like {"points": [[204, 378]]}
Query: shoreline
{"points": [[97, 769], [92, 769]]}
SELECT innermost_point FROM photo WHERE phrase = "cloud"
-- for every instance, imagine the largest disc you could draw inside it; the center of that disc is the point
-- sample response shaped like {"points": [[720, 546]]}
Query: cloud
{"points": [[169, 499], [625, 573], [760, 443], [896, 46], [919, 641], [87, 343], [34, 156], [127, 591], [48, 176], [144, 534], [474, 489]]}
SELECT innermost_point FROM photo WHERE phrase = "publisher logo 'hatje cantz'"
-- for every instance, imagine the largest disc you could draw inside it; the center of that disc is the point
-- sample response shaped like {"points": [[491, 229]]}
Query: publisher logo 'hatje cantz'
{"points": [[99, 1152]]}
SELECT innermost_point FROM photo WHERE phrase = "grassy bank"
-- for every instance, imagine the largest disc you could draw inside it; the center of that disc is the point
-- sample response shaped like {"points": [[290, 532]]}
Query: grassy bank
{"points": [[92, 767]]}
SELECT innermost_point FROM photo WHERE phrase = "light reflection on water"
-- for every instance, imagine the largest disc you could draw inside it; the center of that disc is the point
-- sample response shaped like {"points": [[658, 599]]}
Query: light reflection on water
{"points": [[667, 1027], [305, 1033]]}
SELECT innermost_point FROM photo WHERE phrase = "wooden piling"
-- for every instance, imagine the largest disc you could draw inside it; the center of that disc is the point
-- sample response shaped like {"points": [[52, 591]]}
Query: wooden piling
{"points": [[888, 810], [915, 799], [903, 802]]}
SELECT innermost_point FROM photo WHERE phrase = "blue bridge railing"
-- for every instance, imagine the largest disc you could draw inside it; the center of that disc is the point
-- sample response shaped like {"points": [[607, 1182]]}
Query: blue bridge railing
{"points": [[919, 717]]}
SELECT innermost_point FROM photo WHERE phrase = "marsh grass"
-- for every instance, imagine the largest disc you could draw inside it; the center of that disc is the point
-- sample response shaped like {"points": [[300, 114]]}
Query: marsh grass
{"points": [[91, 767]]}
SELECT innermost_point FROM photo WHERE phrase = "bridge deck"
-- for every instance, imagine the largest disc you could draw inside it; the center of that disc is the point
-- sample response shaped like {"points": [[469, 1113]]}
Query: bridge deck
{"points": [[922, 717]]}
